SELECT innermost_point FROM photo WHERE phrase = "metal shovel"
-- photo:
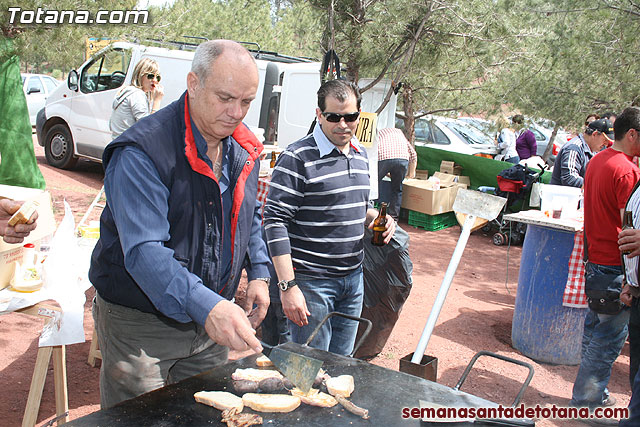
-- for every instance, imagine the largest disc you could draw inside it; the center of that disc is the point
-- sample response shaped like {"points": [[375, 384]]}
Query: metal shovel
{"points": [[299, 369], [474, 204]]}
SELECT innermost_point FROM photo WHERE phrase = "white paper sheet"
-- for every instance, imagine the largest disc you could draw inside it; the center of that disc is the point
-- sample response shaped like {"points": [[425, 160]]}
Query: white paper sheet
{"points": [[65, 281]]}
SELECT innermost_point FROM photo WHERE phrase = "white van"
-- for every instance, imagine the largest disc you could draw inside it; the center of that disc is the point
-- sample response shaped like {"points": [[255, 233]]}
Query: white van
{"points": [[75, 120]]}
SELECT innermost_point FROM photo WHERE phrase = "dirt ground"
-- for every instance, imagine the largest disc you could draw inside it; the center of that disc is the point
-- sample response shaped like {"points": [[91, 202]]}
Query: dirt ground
{"points": [[476, 316]]}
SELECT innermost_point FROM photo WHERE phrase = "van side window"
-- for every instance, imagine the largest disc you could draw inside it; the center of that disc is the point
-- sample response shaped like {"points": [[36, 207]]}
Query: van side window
{"points": [[105, 72]]}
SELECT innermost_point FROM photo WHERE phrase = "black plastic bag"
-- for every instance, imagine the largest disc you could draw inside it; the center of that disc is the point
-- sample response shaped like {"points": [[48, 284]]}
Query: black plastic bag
{"points": [[387, 283]]}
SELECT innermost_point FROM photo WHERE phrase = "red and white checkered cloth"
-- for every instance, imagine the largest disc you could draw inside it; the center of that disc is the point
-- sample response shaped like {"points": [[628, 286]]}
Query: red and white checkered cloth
{"points": [[574, 290], [263, 190], [392, 144]]}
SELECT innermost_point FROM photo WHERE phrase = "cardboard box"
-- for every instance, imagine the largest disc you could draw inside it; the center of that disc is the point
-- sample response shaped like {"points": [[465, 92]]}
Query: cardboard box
{"points": [[450, 167], [458, 179], [422, 174], [453, 192], [420, 196], [46, 227]]}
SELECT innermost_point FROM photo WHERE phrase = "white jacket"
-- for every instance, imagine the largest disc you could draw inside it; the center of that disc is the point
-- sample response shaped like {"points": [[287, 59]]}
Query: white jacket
{"points": [[508, 143], [130, 105]]}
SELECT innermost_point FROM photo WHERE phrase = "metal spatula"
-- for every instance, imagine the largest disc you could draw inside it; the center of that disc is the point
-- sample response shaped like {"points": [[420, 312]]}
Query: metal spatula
{"points": [[299, 369]]}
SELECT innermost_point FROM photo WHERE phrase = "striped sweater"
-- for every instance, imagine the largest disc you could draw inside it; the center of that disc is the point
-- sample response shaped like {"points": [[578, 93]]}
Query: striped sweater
{"points": [[316, 206]]}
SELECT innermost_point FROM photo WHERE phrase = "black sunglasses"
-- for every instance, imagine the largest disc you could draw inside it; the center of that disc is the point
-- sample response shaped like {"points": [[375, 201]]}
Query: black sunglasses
{"points": [[152, 76], [335, 117]]}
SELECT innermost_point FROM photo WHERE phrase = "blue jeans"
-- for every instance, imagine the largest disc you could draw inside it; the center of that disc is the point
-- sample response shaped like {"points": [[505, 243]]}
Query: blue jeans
{"points": [[344, 295], [602, 339], [397, 169]]}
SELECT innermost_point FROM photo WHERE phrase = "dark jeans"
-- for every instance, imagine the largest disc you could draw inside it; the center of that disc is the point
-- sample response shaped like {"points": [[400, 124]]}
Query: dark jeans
{"points": [[275, 328], [397, 169], [634, 350], [634, 405], [634, 340]]}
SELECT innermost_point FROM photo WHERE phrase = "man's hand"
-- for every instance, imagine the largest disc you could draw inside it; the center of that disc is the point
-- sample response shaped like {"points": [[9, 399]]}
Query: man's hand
{"points": [[629, 240], [17, 233], [258, 294], [390, 228], [227, 325], [625, 295], [294, 306]]}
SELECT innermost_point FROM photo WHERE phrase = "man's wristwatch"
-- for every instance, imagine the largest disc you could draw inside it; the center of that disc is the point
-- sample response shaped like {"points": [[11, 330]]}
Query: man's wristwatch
{"points": [[285, 285]]}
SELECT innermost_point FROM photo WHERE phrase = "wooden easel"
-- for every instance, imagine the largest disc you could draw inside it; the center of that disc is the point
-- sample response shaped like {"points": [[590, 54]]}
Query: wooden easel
{"points": [[47, 312], [94, 351]]}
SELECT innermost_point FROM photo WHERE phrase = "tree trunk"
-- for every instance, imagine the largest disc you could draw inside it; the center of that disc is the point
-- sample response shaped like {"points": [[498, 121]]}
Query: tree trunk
{"points": [[549, 149], [409, 119]]}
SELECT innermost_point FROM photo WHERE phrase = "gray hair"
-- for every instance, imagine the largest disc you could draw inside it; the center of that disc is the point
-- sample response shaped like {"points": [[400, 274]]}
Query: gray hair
{"points": [[209, 51]]}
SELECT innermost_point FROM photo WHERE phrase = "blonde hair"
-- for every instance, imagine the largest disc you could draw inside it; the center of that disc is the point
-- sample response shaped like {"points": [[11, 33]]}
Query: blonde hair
{"points": [[502, 123], [142, 68]]}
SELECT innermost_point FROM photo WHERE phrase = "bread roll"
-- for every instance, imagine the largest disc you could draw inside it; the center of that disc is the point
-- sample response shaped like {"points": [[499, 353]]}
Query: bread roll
{"points": [[23, 215], [342, 385], [315, 398], [263, 361], [271, 402], [222, 400], [255, 374]]}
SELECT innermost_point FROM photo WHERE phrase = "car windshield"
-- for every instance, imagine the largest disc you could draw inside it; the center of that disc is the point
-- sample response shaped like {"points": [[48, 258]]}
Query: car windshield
{"points": [[468, 133], [482, 126]]}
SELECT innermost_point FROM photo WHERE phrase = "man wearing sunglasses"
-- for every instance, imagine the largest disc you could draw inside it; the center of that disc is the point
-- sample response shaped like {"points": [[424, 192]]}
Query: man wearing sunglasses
{"points": [[180, 225], [315, 214]]}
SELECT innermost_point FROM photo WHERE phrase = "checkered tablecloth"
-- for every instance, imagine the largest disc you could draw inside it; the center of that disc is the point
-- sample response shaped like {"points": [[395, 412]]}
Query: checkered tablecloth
{"points": [[574, 290], [263, 189]]}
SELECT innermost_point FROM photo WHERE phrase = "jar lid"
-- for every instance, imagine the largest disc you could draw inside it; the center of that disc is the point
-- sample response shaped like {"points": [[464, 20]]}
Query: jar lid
{"points": [[29, 246]]}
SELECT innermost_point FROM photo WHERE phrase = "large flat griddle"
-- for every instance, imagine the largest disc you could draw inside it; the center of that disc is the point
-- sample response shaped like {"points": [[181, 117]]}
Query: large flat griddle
{"points": [[382, 391]]}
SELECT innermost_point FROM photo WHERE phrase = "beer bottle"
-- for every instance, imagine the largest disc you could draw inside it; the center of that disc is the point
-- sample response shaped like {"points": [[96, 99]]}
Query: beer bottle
{"points": [[627, 222], [273, 160], [379, 226]]}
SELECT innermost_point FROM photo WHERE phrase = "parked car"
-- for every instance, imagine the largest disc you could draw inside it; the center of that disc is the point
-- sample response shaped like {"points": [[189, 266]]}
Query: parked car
{"points": [[541, 128], [37, 88], [485, 126], [451, 135], [543, 135]]}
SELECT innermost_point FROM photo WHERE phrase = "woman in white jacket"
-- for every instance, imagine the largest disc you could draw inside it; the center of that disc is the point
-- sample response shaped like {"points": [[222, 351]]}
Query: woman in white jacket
{"points": [[507, 142], [139, 99]]}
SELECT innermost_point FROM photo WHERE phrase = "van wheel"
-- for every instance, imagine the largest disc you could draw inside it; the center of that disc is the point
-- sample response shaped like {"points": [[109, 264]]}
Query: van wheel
{"points": [[58, 147]]}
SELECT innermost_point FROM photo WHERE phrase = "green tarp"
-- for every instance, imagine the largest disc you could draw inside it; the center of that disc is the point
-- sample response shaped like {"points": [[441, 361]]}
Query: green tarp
{"points": [[18, 164], [480, 170]]}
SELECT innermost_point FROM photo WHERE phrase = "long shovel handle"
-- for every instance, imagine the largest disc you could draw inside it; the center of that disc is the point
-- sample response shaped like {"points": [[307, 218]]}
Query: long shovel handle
{"points": [[444, 288]]}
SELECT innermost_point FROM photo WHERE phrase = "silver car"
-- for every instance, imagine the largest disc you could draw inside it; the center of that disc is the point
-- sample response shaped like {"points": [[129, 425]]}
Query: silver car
{"points": [[37, 88], [451, 135]]}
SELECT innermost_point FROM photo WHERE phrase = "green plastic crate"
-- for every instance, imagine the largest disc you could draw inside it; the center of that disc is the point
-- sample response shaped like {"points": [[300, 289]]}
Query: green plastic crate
{"points": [[432, 222]]}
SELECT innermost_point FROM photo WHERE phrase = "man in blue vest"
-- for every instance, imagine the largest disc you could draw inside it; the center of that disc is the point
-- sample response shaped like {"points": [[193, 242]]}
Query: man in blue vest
{"points": [[180, 225]]}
